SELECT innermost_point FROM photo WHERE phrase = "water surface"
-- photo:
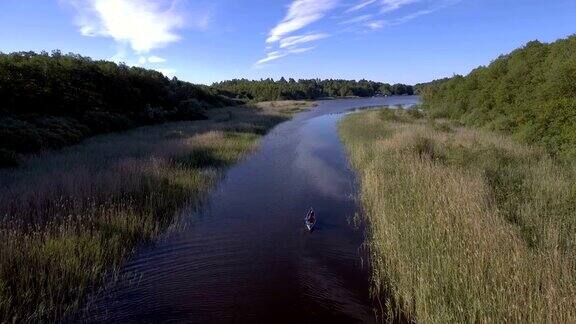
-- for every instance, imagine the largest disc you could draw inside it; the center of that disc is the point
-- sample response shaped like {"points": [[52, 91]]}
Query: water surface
{"points": [[246, 256]]}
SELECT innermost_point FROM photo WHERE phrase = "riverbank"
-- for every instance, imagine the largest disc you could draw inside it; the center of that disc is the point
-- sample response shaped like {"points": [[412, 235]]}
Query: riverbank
{"points": [[71, 217], [464, 225]]}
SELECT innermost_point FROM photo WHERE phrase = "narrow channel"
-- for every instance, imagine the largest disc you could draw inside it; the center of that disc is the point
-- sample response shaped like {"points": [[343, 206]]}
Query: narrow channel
{"points": [[245, 257]]}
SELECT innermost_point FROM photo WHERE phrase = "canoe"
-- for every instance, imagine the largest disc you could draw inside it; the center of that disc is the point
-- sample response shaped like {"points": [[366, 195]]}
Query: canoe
{"points": [[310, 224]]}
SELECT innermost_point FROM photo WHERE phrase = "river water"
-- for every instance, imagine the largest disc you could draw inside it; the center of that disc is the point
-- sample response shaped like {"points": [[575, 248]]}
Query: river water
{"points": [[245, 256]]}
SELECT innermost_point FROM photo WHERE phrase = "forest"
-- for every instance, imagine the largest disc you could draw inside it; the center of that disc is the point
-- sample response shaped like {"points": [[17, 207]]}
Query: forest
{"points": [[282, 89], [53, 100], [529, 93]]}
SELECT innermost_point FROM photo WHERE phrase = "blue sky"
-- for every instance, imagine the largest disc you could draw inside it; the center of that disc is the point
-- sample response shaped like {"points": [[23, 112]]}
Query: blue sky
{"points": [[203, 41]]}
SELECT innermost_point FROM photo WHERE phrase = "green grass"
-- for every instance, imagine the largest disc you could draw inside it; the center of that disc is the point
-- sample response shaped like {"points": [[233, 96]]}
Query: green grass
{"points": [[70, 219], [464, 225]]}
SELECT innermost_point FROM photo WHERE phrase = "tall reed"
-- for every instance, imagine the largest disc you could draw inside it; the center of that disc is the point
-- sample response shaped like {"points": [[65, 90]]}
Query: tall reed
{"points": [[464, 225]]}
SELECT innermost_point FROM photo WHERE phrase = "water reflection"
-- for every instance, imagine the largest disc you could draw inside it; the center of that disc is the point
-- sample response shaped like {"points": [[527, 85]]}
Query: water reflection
{"points": [[246, 256]]}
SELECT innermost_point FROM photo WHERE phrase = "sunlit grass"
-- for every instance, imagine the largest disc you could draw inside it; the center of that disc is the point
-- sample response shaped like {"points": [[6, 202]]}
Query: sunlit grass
{"points": [[464, 225], [69, 218]]}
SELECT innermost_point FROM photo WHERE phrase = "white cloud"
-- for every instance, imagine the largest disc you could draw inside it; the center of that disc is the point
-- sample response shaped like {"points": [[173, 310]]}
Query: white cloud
{"points": [[387, 7], [361, 5], [290, 34], [271, 57], [301, 39], [156, 59], [414, 15], [301, 13], [377, 24], [143, 24], [300, 50], [392, 5]]}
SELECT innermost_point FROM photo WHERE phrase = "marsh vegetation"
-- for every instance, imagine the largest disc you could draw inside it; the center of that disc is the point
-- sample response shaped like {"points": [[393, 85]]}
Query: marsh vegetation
{"points": [[465, 225], [71, 218]]}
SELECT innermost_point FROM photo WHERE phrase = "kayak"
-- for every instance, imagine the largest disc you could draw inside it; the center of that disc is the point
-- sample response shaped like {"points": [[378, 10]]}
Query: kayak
{"points": [[310, 222]]}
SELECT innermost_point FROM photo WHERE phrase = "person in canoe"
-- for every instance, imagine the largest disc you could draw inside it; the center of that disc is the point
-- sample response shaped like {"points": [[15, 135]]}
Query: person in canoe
{"points": [[310, 219]]}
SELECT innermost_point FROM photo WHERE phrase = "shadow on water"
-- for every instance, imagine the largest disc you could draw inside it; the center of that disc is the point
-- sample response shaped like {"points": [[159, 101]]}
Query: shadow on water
{"points": [[246, 256]]}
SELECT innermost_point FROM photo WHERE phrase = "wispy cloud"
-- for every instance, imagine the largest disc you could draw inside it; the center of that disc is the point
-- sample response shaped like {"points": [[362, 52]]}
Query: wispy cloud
{"points": [[301, 13], [364, 15], [392, 5], [271, 56], [361, 5], [409, 10], [292, 41], [396, 4], [384, 5], [376, 24], [414, 15], [301, 50]]}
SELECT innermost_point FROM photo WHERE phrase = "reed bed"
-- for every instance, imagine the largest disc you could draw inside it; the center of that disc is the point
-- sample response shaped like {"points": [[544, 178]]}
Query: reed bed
{"points": [[464, 225], [69, 219]]}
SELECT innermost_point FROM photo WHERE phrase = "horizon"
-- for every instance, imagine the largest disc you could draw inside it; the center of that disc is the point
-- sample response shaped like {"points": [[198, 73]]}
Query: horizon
{"points": [[203, 42]]}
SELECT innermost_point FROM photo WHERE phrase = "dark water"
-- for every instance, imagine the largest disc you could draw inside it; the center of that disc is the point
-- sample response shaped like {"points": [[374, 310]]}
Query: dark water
{"points": [[246, 257]]}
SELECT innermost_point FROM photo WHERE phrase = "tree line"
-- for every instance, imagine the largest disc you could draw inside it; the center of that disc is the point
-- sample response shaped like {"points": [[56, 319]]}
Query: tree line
{"points": [[52, 100], [530, 93], [48, 101], [282, 89]]}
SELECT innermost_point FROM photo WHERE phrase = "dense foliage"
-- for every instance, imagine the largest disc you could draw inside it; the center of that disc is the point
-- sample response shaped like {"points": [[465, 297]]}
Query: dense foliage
{"points": [[291, 89], [530, 93], [50, 101]]}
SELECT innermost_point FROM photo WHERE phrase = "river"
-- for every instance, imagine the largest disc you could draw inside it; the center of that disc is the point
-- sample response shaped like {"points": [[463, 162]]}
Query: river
{"points": [[245, 256]]}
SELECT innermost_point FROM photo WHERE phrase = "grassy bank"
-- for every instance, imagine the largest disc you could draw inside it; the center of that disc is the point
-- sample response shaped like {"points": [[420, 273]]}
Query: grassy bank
{"points": [[69, 218], [464, 225]]}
